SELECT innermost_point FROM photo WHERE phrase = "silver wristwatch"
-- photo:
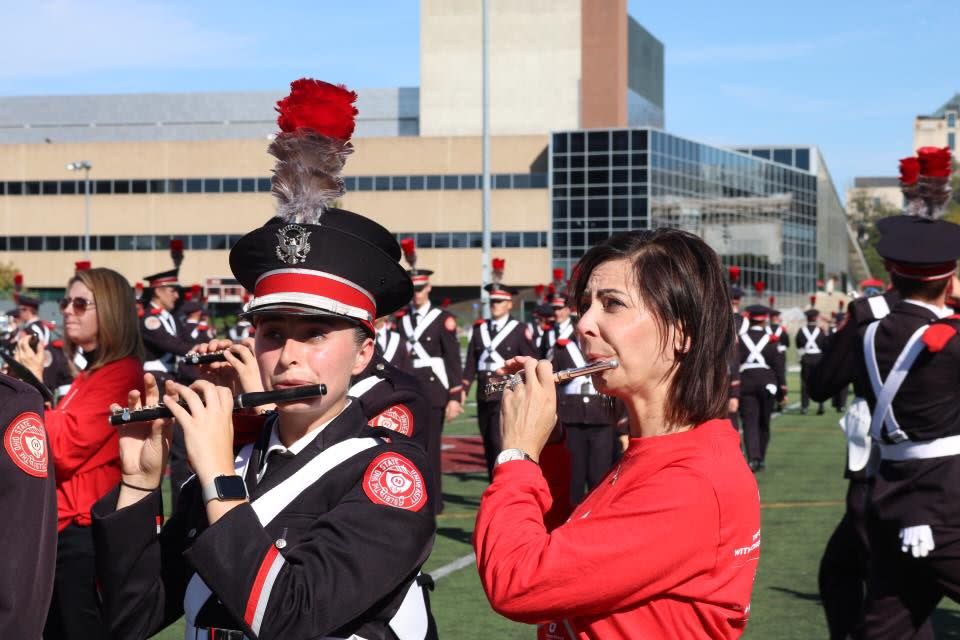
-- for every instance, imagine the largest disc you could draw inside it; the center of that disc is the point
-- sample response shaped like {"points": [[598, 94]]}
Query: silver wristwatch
{"points": [[513, 454]]}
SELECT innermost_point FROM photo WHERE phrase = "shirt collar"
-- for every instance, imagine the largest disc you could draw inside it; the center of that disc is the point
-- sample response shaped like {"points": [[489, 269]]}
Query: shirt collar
{"points": [[422, 310], [275, 445], [940, 312]]}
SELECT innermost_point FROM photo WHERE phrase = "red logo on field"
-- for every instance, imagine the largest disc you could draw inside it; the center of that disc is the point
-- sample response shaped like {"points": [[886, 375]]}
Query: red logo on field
{"points": [[393, 480], [26, 443], [396, 418]]}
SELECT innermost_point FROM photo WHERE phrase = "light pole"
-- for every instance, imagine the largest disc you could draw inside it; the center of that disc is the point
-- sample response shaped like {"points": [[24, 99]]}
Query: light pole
{"points": [[485, 184], [85, 166]]}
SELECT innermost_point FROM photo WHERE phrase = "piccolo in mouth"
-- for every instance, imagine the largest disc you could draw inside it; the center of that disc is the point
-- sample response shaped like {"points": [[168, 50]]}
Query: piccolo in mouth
{"points": [[205, 358], [497, 384], [241, 401]]}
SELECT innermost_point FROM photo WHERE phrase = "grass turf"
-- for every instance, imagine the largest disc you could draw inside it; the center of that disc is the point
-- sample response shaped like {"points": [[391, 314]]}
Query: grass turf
{"points": [[802, 492]]}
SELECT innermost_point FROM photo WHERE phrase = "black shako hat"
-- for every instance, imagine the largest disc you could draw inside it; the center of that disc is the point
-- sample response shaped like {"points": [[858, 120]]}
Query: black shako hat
{"points": [[346, 265], [812, 314], [164, 279], [544, 310], [27, 301], [919, 248], [500, 291], [757, 311], [736, 293]]}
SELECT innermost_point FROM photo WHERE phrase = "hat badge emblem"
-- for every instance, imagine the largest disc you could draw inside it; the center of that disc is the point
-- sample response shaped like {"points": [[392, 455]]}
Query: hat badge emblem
{"points": [[292, 247]]}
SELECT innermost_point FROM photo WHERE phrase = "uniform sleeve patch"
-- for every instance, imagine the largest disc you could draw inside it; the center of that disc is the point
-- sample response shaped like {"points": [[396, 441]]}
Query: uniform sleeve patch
{"points": [[26, 443], [394, 481], [450, 324], [396, 418], [152, 323], [937, 336]]}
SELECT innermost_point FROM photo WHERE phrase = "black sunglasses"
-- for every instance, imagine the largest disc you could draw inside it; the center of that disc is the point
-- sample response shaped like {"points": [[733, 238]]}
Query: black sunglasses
{"points": [[80, 305]]}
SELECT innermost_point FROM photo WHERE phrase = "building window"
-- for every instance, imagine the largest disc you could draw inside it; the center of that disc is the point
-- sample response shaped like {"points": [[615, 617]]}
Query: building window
{"points": [[952, 140], [951, 120]]}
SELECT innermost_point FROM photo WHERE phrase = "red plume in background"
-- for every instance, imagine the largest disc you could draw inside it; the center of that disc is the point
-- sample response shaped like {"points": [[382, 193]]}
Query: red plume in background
{"points": [[909, 171], [840, 305], [187, 296], [17, 282], [409, 247], [176, 251], [246, 297], [445, 303], [813, 301], [324, 108], [734, 273], [934, 162], [81, 265], [197, 291], [772, 301], [760, 286], [138, 289], [498, 264], [552, 289], [538, 291], [558, 275]]}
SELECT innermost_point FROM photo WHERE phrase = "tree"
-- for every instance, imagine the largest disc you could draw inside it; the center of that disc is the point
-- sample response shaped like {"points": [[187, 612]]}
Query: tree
{"points": [[7, 269]]}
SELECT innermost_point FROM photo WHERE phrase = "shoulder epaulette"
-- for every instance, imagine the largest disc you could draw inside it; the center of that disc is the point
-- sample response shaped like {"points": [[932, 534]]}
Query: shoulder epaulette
{"points": [[940, 333]]}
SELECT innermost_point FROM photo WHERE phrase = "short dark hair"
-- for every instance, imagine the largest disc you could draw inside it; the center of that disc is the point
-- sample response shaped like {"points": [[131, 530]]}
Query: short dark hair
{"points": [[919, 289], [680, 279]]}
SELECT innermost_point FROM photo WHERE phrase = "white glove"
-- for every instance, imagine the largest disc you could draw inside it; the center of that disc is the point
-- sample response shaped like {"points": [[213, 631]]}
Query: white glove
{"points": [[917, 540]]}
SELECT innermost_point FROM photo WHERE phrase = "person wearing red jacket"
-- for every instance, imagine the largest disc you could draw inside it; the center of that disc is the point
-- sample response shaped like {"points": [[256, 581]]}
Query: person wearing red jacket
{"points": [[667, 545], [99, 317]]}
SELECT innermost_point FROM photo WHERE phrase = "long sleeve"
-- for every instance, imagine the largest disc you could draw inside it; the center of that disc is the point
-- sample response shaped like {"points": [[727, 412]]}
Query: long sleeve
{"points": [[78, 429], [160, 342], [838, 366], [651, 539], [470, 364], [451, 355]]}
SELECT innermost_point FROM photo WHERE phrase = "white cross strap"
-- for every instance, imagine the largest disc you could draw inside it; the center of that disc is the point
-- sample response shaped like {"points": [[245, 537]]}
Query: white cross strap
{"points": [[810, 347], [885, 390], [755, 359], [490, 359]]}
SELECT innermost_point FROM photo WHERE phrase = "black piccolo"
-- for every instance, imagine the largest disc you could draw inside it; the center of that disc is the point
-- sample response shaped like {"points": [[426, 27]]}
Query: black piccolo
{"points": [[241, 401], [205, 358]]}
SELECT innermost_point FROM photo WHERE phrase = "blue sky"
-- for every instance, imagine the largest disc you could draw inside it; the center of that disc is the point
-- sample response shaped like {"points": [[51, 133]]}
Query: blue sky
{"points": [[848, 76]]}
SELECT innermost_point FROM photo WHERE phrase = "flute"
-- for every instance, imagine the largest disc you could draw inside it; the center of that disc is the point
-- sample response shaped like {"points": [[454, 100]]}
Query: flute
{"points": [[241, 401], [499, 383], [205, 358]]}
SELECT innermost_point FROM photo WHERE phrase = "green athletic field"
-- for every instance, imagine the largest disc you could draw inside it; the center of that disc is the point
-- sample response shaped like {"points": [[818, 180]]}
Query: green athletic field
{"points": [[802, 492]]}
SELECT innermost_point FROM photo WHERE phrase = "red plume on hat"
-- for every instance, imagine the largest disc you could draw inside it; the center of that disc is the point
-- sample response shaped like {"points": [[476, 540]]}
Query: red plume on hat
{"points": [[840, 304], [445, 303], [734, 272], [772, 301], [18, 282], [933, 185], [538, 291], [187, 296], [497, 266], [760, 286], [316, 122], [138, 289], [409, 248], [813, 301], [197, 291], [176, 251], [81, 265], [558, 274]]}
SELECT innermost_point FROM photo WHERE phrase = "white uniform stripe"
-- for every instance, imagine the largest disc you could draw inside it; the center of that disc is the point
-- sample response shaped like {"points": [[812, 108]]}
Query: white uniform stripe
{"points": [[272, 574]]}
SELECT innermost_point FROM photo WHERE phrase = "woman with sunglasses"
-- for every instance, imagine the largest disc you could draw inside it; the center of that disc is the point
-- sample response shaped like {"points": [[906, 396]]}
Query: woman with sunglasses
{"points": [[99, 317], [667, 545], [317, 529]]}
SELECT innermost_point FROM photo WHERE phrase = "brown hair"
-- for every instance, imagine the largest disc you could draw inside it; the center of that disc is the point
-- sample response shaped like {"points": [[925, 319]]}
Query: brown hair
{"points": [[118, 330], [680, 280]]}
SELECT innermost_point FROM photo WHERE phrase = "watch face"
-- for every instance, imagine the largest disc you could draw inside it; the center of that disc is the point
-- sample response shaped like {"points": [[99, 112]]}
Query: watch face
{"points": [[509, 454], [230, 487]]}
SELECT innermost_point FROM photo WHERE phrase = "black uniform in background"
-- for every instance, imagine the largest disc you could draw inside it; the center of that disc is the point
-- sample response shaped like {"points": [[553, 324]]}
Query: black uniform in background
{"points": [[810, 341], [392, 348], [28, 501], [392, 399], [739, 323], [163, 340], [588, 418], [512, 338], [761, 380], [430, 335], [844, 566]]}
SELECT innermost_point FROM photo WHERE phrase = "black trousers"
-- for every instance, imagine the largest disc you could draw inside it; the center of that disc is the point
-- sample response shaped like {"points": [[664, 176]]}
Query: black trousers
{"points": [[843, 568], [591, 450], [756, 405], [806, 368], [488, 420], [903, 591], [839, 400], [434, 448], [74, 612]]}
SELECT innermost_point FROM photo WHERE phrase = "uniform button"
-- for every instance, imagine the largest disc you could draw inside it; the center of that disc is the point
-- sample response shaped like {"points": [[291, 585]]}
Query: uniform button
{"points": [[380, 367], [280, 543], [428, 338], [432, 379], [586, 400], [192, 533]]}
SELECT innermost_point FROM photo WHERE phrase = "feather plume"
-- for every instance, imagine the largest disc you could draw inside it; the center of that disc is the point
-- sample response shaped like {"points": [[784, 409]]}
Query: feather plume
{"points": [[813, 301], [538, 291], [771, 301], [319, 107], [497, 265], [933, 185], [760, 286], [18, 282], [81, 265], [409, 248], [734, 272]]}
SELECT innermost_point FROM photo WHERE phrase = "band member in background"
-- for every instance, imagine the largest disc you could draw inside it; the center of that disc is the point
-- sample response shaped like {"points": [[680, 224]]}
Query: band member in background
{"points": [[391, 346], [493, 342], [762, 381], [810, 341], [430, 335]]}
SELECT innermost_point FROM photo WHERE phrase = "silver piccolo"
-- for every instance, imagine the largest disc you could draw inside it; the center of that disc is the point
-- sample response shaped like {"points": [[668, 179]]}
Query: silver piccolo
{"points": [[497, 384], [205, 358], [240, 401]]}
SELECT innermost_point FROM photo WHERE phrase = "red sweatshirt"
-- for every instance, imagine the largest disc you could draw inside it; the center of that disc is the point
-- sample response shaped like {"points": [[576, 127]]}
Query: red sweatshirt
{"points": [[665, 547], [85, 448]]}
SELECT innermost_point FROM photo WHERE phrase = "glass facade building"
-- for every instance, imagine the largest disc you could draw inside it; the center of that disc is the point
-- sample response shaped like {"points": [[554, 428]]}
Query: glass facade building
{"points": [[757, 214]]}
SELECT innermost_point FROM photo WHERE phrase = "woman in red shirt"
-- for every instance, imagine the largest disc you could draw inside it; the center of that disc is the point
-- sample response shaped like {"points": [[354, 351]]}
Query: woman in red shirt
{"points": [[99, 317], [667, 545]]}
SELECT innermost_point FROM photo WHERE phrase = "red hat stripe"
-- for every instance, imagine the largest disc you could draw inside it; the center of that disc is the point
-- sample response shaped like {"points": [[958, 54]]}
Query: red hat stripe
{"points": [[325, 291], [925, 272], [160, 282]]}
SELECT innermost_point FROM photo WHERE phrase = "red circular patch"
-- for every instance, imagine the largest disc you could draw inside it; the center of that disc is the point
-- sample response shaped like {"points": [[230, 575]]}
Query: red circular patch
{"points": [[450, 323], [396, 418], [26, 443], [393, 480]]}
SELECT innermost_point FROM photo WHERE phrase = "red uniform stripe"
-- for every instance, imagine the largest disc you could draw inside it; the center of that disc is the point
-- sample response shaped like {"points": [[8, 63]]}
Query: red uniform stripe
{"points": [[258, 584], [317, 285]]}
